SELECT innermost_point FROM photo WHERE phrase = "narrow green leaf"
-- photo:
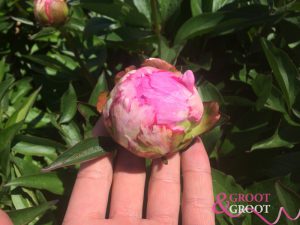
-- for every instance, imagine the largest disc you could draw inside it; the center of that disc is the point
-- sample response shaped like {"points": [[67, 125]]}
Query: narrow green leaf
{"points": [[25, 216], [285, 72], [6, 137], [4, 86], [90, 115], [290, 200], [262, 86], [26, 148], [39, 141], [218, 4], [276, 101], [83, 151], [196, 7], [223, 183], [209, 92], [22, 20], [20, 114], [167, 8], [45, 32], [143, 6], [275, 141], [45, 181], [2, 69], [100, 87], [223, 22], [26, 165], [68, 106], [70, 133], [52, 63]]}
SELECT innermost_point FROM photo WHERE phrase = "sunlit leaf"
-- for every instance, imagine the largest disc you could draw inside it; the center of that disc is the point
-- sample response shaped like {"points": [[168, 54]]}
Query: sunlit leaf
{"points": [[20, 114], [68, 105], [45, 181], [83, 151], [25, 216], [100, 87]]}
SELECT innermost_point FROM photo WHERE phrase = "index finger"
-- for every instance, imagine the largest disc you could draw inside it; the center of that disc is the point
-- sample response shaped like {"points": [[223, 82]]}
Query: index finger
{"points": [[197, 199], [90, 193]]}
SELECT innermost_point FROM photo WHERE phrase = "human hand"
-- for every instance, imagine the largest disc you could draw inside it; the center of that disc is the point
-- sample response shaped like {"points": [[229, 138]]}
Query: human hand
{"points": [[90, 196], [4, 219]]}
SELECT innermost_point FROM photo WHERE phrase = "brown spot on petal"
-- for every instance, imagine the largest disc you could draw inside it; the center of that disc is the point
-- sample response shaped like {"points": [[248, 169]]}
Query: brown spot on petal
{"points": [[123, 73], [210, 116], [160, 64], [102, 99]]}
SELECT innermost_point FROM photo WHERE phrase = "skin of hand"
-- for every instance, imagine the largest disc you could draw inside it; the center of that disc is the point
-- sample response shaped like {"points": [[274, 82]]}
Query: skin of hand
{"points": [[4, 219], [124, 181]]}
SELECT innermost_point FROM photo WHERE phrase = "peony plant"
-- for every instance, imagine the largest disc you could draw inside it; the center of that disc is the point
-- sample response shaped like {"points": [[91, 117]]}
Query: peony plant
{"points": [[155, 110], [51, 12]]}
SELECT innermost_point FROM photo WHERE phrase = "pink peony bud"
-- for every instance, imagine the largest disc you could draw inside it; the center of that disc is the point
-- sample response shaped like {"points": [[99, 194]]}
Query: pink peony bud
{"points": [[153, 112], [51, 12]]}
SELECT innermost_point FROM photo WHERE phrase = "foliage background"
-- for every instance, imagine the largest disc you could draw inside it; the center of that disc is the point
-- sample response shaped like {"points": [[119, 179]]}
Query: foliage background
{"points": [[245, 55]]}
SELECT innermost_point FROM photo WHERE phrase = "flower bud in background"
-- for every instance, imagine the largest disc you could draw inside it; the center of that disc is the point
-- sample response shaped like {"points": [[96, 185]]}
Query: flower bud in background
{"points": [[154, 110], [51, 12]]}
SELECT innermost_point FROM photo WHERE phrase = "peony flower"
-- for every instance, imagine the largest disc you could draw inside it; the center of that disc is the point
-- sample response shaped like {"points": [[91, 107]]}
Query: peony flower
{"points": [[51, 12], [154, 110]]}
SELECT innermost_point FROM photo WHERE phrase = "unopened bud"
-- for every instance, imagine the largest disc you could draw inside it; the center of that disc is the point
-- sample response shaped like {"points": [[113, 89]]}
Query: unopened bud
{"points": [[51, 12]]}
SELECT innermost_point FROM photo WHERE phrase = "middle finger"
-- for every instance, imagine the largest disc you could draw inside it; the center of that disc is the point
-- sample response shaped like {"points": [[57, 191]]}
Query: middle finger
{"points": [[128, 186]]}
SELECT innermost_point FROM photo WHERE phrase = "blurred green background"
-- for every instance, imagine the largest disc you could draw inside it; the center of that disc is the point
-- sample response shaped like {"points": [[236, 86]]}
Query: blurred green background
{"points": [[245, 55]]}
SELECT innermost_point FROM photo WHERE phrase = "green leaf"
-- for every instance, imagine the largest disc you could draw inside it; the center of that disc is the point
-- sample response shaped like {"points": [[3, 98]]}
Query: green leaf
{"points": [[2, 69], [83, 151], [167, 8], [26, 165], [285, 72], [167, 53], [90, 115], [50, 62], [6, 137], [275, 141], [26, 148], [218, 4], [68, 106], [4, 86], [209, 92], [224, 22], [276, 101], [223, 183], [44, 32], [39, 141], [23, 20], [290, 200], [262, 86], [25, 216], [144, 7], [100, 87], [45, 181], [196, 7], [20, 114], [70, 133]]}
